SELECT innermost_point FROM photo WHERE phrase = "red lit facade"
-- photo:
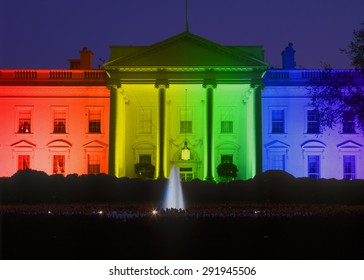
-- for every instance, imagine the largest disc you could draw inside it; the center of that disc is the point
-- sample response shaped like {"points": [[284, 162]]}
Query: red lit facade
{"points": [[56, 121]]}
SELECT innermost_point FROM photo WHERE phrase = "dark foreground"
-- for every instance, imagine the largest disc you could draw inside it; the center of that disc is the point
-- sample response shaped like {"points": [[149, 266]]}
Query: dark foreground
{"points": [[249, 235]]}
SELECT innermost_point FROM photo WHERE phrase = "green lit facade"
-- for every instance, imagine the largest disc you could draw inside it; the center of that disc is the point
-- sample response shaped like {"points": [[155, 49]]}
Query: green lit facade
{"points": [[185, 90]]}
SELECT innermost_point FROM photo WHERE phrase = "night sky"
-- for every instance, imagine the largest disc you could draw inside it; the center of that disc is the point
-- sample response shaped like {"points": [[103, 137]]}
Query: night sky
{"points": [[41, 34]]}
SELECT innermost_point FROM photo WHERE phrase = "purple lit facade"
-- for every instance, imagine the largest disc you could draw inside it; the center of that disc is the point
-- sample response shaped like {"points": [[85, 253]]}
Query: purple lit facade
{"points": [[292, 138]]}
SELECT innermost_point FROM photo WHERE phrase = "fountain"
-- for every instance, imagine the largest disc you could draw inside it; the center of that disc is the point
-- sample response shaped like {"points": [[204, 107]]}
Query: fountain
{"points": [[173, 196]]}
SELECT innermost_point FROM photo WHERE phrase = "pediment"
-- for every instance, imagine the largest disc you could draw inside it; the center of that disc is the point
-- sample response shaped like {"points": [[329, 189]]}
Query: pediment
{"points": [[276, 144], [187, 50], [95, 144], [228, 146], [349, 145], [143, 146], [59, 144], [313, 144], [23, 144]]}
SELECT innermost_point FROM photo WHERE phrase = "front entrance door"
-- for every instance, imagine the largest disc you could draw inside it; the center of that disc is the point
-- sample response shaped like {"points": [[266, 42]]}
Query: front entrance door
{"points": [[186, 173]]}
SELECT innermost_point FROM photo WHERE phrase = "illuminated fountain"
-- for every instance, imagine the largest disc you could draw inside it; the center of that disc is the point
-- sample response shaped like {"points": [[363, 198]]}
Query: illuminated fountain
{"points": [[173, 196]]}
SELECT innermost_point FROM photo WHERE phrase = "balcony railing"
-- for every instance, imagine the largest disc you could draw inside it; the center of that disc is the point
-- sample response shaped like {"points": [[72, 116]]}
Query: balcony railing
{"points": [[282, 76], [15, 76]]}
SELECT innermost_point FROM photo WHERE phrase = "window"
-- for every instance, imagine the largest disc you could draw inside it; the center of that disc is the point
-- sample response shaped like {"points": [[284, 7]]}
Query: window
{"points": [[94, 121], [277, 121], [95, 157], [227, 124], [145, 159], [226, 158], [278, 162], [24, 122], [313, 123], [349, 167], [276, 156], [59, 122], [185, 127], [23, 162], [59, 164], [93, 164], [348, 122], [145, 122], [313, 168], [186, 173], [185, 121]]}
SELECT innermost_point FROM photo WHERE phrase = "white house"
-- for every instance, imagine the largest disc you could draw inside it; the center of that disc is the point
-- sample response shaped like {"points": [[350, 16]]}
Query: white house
{"points": [[292, 139]]}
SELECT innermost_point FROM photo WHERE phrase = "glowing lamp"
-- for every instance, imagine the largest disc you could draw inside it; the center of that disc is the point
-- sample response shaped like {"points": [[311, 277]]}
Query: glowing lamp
{"points": [[186, 153]]}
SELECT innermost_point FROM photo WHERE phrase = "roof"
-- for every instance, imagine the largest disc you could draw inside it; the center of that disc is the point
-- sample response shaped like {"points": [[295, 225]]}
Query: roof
{"points": [[186, 50]]}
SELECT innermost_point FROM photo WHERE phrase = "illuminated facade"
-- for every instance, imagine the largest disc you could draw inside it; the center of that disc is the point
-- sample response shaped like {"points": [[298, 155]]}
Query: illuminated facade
{"points": [[185, 92], [292, 139], [184, 101], [56, 121]]}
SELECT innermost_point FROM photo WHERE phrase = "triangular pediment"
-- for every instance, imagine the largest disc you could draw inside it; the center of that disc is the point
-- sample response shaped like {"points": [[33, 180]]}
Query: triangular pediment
{"points": [[23, 144], [276, 144], [188, 50], [349, 145], [95, 144]]}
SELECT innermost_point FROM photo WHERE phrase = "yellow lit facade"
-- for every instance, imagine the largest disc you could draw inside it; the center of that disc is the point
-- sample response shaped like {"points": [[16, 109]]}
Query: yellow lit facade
{"points": [[185, 89]]}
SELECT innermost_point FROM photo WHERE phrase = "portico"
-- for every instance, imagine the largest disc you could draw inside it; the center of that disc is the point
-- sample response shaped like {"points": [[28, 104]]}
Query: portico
{"points": [[152, 120]]}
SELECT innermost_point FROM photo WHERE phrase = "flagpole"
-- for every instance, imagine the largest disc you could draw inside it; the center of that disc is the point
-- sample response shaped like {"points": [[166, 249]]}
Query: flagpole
{"points": [[187, 16]]}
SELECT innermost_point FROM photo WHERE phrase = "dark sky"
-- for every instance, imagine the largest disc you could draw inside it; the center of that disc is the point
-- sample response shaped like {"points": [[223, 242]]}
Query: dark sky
{"points": [[45, 33]]}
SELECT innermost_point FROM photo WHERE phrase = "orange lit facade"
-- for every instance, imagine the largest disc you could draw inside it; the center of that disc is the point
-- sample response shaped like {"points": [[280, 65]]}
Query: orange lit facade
{"points": [[56, 121]]}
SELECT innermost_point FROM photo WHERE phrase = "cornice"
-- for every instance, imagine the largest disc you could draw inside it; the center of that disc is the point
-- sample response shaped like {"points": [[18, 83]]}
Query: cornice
{"points": [[185, 69]]}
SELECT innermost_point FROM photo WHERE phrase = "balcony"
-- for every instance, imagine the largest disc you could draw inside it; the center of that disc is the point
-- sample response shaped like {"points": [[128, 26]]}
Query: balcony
{"points": [[53, 77]]}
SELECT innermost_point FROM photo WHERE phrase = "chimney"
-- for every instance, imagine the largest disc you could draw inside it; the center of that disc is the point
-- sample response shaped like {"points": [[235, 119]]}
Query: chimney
{"points": [[86, 59], [288, 60]]}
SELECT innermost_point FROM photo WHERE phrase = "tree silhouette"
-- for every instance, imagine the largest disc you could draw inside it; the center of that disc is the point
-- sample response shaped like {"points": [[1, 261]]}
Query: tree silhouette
{"points": [[228, 171], [355, 49], [338, 95]]}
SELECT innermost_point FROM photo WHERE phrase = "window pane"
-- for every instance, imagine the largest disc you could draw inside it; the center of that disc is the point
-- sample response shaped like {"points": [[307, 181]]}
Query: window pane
{"points": [[186, 127], [349, 167], [186, 173], [226, 127], [58, 164], [185, 121], [93, 164], [226, 121], [348, 122], [277, 121], [24, 122], [226, 158], [23, 162], [313, 124], [278, 162], [146, 159], [145, 122], [59, 123], [94, 121], [313, 166]]}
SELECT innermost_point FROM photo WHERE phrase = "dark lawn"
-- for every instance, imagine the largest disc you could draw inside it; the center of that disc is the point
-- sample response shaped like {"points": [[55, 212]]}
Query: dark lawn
{"points": [[42, 236]]}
